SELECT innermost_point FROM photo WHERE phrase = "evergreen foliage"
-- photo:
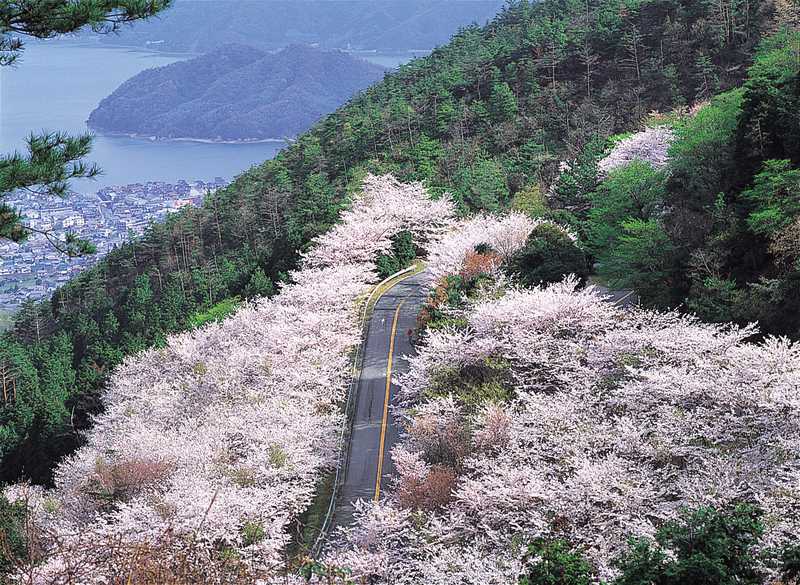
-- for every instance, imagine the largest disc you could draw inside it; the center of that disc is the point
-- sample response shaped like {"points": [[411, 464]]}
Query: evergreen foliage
{"points": [[715, 228], [704, 547], [401, 255], [548, 256], [554, 563], [12, 535]]}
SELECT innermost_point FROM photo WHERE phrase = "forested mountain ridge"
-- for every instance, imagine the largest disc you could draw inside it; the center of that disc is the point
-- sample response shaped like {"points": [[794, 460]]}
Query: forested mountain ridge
{"points": [[389, 25], [235, 93], [488, 117]]}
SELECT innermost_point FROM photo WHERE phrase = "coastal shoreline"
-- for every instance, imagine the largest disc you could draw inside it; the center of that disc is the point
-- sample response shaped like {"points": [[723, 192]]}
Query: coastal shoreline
{"points": [[151, 138]]}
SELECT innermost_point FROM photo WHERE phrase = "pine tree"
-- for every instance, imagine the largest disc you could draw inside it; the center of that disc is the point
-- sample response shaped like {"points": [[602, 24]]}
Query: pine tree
{"points": [[54, 158], [503, 103]]}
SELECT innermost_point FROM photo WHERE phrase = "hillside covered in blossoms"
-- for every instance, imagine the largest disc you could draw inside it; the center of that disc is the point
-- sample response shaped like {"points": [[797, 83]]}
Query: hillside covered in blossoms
{"points": [[532, 418], [548, 415], [215, 442], [512, 115]]}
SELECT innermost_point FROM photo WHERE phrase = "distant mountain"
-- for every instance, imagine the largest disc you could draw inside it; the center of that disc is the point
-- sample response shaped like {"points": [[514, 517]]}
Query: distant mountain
{"points": [[235, 93], [389, 25]]}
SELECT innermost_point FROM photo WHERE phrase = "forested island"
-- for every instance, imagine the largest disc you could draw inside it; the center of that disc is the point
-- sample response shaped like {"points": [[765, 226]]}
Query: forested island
{"points": [[235, 93]]}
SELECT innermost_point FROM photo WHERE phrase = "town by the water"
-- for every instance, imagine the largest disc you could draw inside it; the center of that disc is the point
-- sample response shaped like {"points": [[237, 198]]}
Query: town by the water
{"points": [[107, 218]]}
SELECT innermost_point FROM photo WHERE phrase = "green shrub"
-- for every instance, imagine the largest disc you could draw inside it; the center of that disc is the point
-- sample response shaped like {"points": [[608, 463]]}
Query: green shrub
{"points": [[702, 547], [774, 197], [633, 191], [215, 313], [702, 162], [277, 456], [790, 564], [253, 533], [482, 186], [530, 201], [474, 385], [643, 260], [555, 563], [12, 534], [402, 255], [549, 255], [574, 183], [259, 285], [714, 299], [445, 295], [502, 103]]}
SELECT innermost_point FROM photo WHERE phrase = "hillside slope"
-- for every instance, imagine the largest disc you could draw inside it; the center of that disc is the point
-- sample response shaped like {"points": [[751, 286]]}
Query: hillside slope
{"points": [[700, 209], [235, 93], [487, 117], [551, 437]]}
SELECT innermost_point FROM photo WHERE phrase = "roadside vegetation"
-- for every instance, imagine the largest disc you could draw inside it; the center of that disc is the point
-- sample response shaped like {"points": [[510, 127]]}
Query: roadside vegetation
{"points": [[553, 438]]}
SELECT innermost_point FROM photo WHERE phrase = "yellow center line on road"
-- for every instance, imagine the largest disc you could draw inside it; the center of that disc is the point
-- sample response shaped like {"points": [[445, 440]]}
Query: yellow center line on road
{"points": [[385, 419]]}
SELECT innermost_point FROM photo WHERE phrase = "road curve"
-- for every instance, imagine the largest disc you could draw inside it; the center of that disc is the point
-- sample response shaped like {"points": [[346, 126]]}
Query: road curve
{"points": [[374, 433]]}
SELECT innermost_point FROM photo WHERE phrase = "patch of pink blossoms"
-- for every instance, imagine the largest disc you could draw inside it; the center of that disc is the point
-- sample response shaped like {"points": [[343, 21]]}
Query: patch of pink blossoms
{"points": [[504, 234], [651, 146], [224, 432]]}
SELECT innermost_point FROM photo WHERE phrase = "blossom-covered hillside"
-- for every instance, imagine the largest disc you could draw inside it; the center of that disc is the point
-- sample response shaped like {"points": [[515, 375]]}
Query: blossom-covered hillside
{"points": [[550, 413], [211, 447]]}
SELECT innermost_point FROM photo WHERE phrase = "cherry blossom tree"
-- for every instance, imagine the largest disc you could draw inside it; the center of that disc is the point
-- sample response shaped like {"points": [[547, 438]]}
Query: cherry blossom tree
{"points": [[651, 145], [505, 235]]}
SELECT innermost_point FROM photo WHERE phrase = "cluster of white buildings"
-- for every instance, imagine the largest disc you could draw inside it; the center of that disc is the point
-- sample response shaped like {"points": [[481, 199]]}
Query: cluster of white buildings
{"points": [[107, 218]]}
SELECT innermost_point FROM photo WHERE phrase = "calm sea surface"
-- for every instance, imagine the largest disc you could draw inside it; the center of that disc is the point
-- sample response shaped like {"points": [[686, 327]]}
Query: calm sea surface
{"points": [[56, 85]]}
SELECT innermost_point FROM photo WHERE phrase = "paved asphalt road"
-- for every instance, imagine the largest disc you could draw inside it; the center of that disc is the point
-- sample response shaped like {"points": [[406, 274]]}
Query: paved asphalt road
{"points": [[623, 298], [388, 340]]}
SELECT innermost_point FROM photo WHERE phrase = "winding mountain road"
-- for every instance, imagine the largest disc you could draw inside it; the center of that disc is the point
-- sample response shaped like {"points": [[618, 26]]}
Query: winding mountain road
{"points": [[374, 433]]}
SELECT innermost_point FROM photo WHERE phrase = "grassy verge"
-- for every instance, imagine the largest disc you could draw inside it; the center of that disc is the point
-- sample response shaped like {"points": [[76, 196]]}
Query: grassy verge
{"points": [[310, 522]]}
